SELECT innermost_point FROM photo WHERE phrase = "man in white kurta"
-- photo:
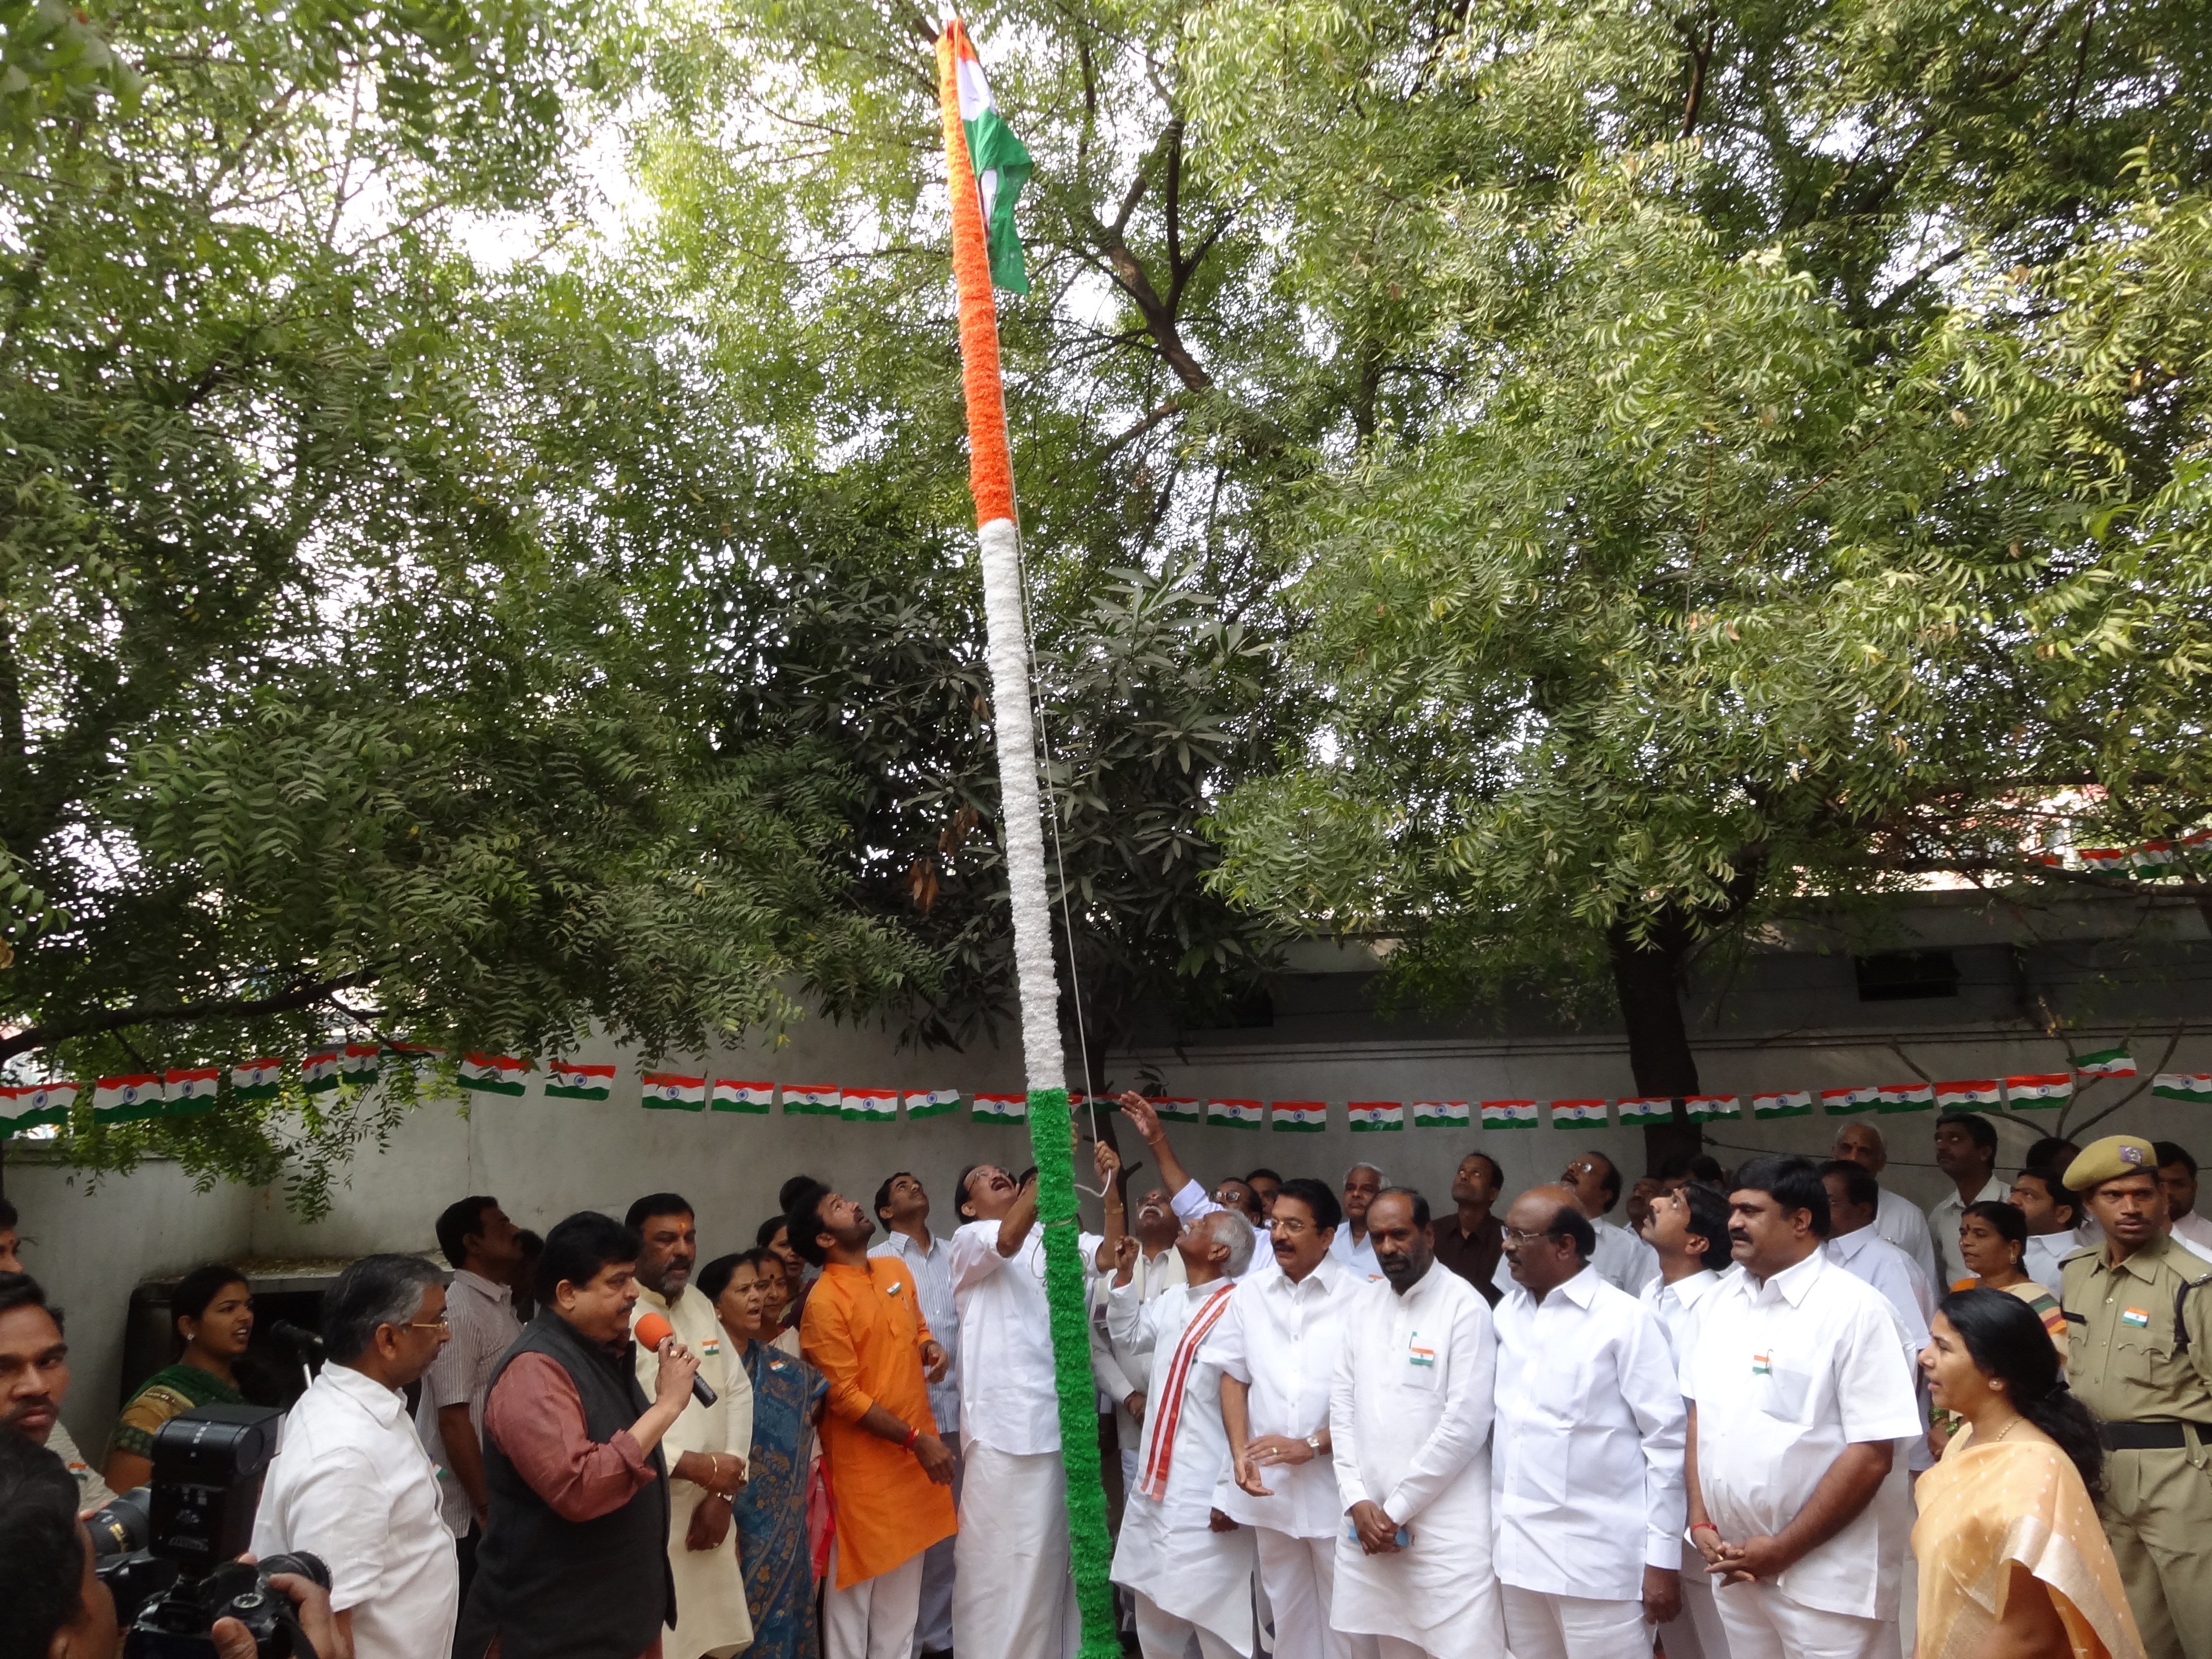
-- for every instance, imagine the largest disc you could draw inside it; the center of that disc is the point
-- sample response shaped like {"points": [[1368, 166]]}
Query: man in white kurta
{"points": [[1013, 1595], [1896, 1218], [1118, 1370], [1187, 1564], [1586, 1458], [706, 1447], [1277, 1347], [1409, 1420], [1800, 1393]]}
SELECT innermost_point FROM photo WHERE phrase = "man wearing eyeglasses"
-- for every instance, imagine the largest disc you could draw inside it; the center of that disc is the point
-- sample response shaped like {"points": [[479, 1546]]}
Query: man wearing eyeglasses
{"points": [[353, 1483]]}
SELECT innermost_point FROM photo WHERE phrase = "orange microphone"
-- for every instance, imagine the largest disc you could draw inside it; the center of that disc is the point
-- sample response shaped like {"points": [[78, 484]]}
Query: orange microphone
{"points": [[651, 1330]]}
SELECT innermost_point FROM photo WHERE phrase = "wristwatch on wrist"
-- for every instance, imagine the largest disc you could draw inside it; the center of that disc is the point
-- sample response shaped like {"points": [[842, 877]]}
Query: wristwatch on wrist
{"points": [[1313, 1442]]}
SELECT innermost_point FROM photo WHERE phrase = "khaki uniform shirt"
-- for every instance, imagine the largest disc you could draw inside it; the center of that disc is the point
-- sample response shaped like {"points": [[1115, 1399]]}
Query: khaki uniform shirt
{"points": [[2124, 1361]]}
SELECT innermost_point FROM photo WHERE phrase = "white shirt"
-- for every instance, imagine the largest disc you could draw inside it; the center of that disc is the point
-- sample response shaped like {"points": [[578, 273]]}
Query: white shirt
{"points": [[1898, 1219], [353, 1485], [1117, 1368], [2039, 1262], [1410, 1406], [1785, 1374], [932, 1283], [1357, 1259], [1872, 1260], [1153, 1330], [1621, 1259], [1191, 1201], [1943, 1223], [2193, 1232], [481, 1317], [1676, 1306], [1282, 1337], [1007, 1400], [1586, 1465]]}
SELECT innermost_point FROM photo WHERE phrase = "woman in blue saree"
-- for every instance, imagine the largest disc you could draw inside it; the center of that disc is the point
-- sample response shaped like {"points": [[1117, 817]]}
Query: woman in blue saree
{"points": [[771, 1509]]}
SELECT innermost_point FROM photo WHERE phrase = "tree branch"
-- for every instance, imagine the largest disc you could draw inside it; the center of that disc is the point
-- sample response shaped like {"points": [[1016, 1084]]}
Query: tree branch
{"points": [[300, 994]]}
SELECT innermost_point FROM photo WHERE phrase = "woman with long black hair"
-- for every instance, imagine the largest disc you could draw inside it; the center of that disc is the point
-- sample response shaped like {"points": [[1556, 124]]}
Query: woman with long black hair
{"points": [[2014, 1562]]}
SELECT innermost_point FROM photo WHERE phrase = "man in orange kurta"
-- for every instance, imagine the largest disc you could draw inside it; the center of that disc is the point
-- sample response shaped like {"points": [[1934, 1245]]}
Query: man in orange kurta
{"points": [[890, 1477]]}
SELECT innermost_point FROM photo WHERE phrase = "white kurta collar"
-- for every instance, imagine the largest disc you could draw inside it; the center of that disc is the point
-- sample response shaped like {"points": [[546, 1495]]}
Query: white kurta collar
{"points": [[1793, 1281]]}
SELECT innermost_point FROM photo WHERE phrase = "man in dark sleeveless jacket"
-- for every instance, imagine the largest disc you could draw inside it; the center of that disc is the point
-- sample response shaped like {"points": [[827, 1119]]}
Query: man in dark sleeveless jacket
{"points": [[575, 1555]]}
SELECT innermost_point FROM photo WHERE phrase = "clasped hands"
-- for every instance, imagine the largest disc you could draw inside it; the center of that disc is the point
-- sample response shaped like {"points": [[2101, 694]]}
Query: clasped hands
{"points": [[1265, 1450], [1739, 1564]]}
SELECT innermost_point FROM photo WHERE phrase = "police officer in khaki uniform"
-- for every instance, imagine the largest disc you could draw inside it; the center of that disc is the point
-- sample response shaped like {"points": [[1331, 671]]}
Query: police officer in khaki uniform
{"points": [[2139, 1312]]}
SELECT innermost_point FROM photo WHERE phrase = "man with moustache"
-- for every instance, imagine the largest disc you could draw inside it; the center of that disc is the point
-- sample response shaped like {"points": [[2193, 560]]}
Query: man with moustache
{"points": [[1277, 1347], [1896, 1217], [1409, 1421], [706, 1447], [1622, 1259], [889, 1474], [1116, 1367], [1470, 1242], [1265, 1184], [35, 1380], [1586, 1467], [1799, 1394], [1189, 1566]]}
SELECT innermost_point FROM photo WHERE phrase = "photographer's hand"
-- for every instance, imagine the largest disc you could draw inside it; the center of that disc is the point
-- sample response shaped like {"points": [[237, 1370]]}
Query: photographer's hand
{"points": [[331, 1633]]}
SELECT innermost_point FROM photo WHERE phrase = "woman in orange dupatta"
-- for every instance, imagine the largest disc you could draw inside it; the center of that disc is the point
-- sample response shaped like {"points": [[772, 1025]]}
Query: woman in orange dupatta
{"points": [[2013, 1564]]}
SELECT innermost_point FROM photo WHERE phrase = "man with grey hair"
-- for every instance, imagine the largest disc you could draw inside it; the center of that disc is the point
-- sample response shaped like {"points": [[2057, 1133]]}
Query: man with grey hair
{"points": [[353, 1483], [1189, 1566]]}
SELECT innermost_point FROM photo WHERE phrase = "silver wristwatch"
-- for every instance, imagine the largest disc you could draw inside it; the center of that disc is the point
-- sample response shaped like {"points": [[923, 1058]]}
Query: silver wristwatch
{"points": [[1313, 1442]]}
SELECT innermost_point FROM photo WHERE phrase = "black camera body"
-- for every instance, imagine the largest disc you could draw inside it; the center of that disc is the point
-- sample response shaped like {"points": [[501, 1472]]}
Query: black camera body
{"points": [[167, 1552]]}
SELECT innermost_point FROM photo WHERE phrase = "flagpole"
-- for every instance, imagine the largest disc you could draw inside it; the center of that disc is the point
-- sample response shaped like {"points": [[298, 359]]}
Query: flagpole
{"points": [[1052, 1136]]}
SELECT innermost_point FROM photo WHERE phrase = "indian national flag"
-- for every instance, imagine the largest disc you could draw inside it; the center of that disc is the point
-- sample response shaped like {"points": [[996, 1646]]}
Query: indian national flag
{"points": [[1905, 1097], [1704, 1107], [362, 1063], [1509, 1114], [1647, 1108], [2039, 1091], [1177, 1108], [1968, 1093], [2106, 1062], [318, 1072], [257, 1079], [126, 1099], [1374, 1116], [672, 1091], [493, 1074], [189, 1093], [28, 1106], [2106, 860], [733, 1095], [1235, 1114], [1788, 1104], [1578, 1115], [2154, 859], [566, 1080], [1847, 1103], [2193, 1086], [1000, 1109], [930, 1103], [1304, 1117], [1002, 166], [812, 1100], [1440, 1114], [869, 1106]]}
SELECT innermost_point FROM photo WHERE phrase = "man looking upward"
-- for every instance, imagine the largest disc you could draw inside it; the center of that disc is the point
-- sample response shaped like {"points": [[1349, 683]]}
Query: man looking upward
{"points": [[890, 1477], [1965, 1152], [482, 1246], [706, 1447], [1117, 1368], [1409, 1420], [1799, 1393], [1896, 1217], [1622, 1259], [1188, 1199], [1189, 1566], [902, 1206], [1277, 1347], [1586, 1464], [1470, 1242]]}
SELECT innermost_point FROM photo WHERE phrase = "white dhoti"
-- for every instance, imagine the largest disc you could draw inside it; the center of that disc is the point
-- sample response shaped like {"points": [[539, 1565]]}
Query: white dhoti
{"points": [[1541, 1625], [1199, 1577], [1013, 1595], [1437, 1593], [1764, 1624], [1299, 1576], [1697, 1633]]}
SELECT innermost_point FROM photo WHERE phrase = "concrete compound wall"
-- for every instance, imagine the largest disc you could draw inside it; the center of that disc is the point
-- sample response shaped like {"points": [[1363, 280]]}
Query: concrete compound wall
{"points": [[91, 1242]]}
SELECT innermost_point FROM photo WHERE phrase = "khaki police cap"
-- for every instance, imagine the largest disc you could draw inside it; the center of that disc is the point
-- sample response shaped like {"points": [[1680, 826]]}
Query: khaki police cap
{"points": [[2109, 1159]]}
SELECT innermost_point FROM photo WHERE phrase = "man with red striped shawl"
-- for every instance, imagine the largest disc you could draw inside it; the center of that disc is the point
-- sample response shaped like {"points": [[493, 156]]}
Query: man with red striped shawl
{"points": [[1190, 1566]]}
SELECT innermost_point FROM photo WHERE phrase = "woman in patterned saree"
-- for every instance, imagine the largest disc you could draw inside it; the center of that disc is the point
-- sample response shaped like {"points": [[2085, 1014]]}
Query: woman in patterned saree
{"points": [[212, 1310], [2013, 1559], [771, 1509]]}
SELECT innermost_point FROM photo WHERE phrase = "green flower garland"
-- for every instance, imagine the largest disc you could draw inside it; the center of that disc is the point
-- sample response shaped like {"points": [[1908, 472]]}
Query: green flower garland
{"points": [[1090, 1547]]}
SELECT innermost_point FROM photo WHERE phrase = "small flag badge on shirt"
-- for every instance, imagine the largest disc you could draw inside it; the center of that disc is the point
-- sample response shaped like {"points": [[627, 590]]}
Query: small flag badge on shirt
{"points": [[1762, 1365], [2135, 1318], [1418, 1355], [709, 1347]]}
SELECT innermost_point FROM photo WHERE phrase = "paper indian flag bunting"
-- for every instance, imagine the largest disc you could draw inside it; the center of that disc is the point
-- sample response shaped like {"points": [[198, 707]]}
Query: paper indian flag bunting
{"points": [[737, 1095], [1509, 1114], [1300, 1116]]}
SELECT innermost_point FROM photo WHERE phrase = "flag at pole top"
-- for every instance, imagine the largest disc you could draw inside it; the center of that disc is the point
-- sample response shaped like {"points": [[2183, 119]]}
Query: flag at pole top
{"points": [[1001, 164]]}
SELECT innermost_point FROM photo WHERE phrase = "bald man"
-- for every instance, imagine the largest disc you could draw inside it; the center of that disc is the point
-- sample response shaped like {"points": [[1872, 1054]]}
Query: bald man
{"points": [[1896, 1219]]}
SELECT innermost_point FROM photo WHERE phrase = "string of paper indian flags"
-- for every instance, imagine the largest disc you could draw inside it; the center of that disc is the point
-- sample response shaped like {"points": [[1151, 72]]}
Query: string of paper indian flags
{"points": [[191, 1091]]}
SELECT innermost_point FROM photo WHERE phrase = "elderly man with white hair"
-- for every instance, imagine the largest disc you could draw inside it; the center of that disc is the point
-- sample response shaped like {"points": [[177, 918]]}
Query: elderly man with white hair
{"points": [[1189, 1566], [1896, 1218]]}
